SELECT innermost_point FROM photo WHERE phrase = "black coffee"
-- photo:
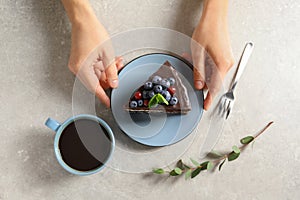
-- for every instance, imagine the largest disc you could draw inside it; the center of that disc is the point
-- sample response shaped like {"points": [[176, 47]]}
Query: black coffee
{"points": [[84, 145]]}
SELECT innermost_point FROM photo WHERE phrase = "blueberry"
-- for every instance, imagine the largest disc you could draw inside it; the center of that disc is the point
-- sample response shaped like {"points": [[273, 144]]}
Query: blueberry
{"points": [[140, 103], [158, 88], [151, 93], [173, 101], [145, 94], [148, 85], [165, 83], [133, 104], [156, 80], [171, 80], [167, 95]]}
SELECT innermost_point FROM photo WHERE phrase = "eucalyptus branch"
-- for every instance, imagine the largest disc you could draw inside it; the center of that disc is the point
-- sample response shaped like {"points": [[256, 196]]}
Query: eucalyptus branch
{"points": [[220, 159]]}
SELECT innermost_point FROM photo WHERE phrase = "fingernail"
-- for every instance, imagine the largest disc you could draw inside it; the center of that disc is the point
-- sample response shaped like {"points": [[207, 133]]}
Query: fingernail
{"points": [[199, 84], [114, 83]]}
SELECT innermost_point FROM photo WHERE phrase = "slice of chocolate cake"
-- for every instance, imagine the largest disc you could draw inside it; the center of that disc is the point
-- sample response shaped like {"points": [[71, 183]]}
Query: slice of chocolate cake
{"points": [[162, 92]]}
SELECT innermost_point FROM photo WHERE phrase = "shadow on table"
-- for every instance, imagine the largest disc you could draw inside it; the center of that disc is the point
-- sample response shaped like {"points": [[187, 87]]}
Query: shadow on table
{"points": [[41, 164], [53, 24], [156, 179], [188, 15]]}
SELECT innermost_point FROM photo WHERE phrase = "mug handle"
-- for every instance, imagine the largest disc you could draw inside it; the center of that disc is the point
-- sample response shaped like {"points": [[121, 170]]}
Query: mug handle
{"points": [[52, 124]]}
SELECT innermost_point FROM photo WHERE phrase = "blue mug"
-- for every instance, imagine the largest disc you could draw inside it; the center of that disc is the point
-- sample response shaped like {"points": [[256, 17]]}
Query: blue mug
{"points": [[59, 128]]}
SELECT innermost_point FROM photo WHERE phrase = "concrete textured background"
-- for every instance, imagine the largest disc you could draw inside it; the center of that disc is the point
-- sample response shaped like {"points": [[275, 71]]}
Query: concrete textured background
{"points": [[35, 83]]}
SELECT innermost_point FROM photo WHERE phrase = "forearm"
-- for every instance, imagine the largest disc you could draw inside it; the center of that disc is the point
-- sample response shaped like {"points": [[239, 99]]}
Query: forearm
{"points": [[78, 11], [215, 10]]}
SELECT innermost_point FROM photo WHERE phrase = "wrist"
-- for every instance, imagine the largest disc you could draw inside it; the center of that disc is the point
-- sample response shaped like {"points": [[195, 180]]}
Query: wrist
{"points": [[78, 11], [215, 10]]}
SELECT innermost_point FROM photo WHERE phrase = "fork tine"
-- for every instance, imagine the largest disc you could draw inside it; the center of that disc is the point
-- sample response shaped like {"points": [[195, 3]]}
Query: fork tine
{"points": [[228, 110], [220, 109], [224, 107]]}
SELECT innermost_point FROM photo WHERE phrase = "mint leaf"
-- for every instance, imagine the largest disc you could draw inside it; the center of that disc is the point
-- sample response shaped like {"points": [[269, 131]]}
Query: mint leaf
{"points": [[153, 102], [161, 99], [247, 139], [157, 99]]}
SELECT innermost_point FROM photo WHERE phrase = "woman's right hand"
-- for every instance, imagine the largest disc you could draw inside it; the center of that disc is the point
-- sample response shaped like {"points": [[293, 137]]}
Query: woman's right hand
{"points": [[92, 57]]}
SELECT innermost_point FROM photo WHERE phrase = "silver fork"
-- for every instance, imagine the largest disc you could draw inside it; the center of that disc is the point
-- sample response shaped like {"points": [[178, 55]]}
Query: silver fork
{"points": [[227, 99]]}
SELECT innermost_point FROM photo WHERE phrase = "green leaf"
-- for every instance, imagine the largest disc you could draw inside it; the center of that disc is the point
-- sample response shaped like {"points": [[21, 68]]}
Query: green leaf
{"points": [[236, 149], [195, 162], [178, 171], [188, 174], [186, 166], [157, 99], [161, 99], [196, 172], [247, 139], [158, 171], [210, 165], [173, 173], [214, 154], [180, 164], [153, 102], [222, 163], [232, 156], [206, 165]]}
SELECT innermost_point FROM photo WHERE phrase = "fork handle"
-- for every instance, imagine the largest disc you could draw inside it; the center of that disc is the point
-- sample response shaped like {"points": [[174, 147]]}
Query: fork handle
{"points": [[242, 64]]}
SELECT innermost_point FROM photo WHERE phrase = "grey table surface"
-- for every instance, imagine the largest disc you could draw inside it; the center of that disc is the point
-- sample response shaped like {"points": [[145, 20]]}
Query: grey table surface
{"points": [[35, 83]]}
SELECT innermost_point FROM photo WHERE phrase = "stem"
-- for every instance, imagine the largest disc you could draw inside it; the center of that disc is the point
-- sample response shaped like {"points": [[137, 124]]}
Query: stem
{"points": [[258, 134], [241, 147], [263, 130], [244, 145]]}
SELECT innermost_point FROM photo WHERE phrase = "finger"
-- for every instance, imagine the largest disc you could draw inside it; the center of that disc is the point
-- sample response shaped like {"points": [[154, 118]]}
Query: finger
{"points": [[112, 75], [119, 63], [109, 63], [198, 79], [102, 96], [104, 83], [100, 73], [187, 56], [103, 80], [208, 101], [213, 78], [198, 56]]}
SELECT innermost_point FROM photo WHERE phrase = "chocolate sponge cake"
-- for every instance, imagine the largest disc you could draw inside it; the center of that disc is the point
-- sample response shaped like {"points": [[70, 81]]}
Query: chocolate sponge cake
{"points": [[164, 91]]}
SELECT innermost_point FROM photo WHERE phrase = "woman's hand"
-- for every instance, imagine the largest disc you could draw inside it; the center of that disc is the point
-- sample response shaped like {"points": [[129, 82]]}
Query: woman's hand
{"points": [[211, 50], [92, 57]]}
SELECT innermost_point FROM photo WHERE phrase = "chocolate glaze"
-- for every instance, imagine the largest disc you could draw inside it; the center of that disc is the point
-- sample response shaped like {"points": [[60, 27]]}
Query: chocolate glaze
{"points": [[182, 107]]}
